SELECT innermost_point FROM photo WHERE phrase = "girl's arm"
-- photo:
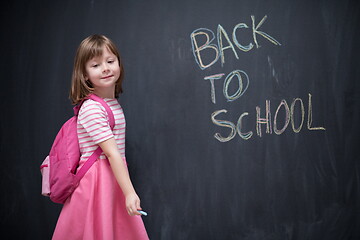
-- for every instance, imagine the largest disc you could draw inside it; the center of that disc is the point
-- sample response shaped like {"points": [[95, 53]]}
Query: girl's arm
{"points": [[121, 173]]}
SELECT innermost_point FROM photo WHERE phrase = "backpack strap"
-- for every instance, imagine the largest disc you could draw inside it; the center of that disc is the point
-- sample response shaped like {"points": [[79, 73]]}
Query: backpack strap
{"points": [[92, 159], [103, 103]]}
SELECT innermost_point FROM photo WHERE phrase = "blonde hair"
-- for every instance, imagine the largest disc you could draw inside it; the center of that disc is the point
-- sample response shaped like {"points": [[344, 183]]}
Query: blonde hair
{"points": [[89, 48]]}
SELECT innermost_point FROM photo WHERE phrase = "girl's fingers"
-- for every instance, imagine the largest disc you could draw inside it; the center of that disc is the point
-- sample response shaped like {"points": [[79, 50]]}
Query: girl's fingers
{"points": [[138, 205], [133, 205], [133, 211], [136, 212]]}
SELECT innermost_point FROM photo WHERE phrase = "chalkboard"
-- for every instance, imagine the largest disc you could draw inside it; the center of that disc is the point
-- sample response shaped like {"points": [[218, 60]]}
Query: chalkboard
{"points": [[242, 116]]}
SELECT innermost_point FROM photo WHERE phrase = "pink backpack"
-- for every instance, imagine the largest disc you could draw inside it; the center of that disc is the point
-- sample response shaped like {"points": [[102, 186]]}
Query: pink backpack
{"points": [[59, 176]]}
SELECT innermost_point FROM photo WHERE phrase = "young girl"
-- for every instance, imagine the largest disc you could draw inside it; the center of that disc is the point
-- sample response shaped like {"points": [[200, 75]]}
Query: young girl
{"points": [[105, 204]]}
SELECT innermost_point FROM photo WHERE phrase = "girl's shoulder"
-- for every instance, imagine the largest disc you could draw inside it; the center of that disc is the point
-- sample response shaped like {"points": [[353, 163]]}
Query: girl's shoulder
{"points": [[90, 106], [89, 103]]}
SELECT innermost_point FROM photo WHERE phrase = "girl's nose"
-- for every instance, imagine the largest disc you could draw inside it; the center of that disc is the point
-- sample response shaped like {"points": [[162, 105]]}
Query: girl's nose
{"points": [[105, 67]]}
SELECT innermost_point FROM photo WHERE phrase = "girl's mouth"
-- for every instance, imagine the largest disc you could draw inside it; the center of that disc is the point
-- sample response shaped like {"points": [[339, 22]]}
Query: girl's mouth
{"points": [[106, 77]]}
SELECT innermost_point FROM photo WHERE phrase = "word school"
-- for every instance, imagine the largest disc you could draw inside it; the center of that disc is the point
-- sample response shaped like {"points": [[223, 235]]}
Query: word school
{"points": [[267, 120]]}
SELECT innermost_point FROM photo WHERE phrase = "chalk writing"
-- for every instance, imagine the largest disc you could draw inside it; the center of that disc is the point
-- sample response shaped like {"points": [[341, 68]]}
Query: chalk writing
{"points": [[244, 136], [212, 90], [297, 130], [265, 35], [265, 120], [241, 47], [207, 45], [207, 52], [222, 35], [221, 32], [309, 122], [289, 116], [239, 92], [223, 123]]}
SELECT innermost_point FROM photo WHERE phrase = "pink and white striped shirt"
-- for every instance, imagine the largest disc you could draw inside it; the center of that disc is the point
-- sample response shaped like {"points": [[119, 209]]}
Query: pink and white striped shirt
{"points": [[93, 127]]}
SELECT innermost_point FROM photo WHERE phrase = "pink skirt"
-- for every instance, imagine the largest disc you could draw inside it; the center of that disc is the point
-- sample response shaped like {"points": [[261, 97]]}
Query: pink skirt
{"points": [[96, 210]]}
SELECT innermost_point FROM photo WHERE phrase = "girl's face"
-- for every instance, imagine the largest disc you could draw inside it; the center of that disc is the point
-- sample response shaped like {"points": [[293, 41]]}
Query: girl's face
{"points": [[103, 71]]}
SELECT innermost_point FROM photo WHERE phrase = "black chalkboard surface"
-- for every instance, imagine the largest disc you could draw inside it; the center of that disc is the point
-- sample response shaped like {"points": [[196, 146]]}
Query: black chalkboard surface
{"points": [[242, 116]]}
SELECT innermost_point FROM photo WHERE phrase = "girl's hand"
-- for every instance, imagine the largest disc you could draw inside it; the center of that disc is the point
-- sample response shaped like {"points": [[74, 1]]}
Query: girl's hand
{"points": [[132, 204]]}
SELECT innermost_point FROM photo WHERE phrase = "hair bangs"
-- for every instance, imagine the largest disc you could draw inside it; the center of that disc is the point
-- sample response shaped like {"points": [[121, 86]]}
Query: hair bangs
{"points": [[94, 50]]}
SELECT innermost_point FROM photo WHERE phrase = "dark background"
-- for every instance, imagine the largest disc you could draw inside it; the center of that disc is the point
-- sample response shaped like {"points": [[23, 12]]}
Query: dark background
{"points": [[302, 185]]}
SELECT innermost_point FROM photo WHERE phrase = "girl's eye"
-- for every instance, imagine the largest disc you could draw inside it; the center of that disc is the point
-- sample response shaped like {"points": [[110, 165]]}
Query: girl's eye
{"points": [[95, 65], [110, 61]]}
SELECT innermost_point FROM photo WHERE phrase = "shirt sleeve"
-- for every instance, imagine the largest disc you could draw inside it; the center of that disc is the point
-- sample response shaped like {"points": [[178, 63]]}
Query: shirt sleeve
{"points": [[93, 117]]}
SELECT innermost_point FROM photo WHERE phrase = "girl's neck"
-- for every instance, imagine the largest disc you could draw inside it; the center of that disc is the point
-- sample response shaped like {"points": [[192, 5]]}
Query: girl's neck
{"points": [[105, 93]]}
